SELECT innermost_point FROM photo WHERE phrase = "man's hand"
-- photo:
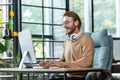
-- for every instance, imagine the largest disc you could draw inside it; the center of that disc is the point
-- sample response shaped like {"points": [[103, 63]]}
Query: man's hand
{"points": [[54, 63], [50, 64], [44, 64]]}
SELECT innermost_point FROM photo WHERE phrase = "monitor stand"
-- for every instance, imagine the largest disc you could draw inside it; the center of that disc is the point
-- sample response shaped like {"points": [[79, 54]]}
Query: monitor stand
{"points": [[27, 65]]}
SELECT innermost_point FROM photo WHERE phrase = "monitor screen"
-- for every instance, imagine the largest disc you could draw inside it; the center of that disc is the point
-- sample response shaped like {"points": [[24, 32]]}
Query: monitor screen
{"points": [[26, 45]]}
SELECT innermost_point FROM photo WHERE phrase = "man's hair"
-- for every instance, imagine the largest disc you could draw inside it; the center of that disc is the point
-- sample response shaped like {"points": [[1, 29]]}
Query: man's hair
{"points": [[74, 16]]}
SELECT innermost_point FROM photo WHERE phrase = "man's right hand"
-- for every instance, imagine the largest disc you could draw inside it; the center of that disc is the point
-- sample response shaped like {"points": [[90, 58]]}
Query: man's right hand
{"points": [[44, 64]]}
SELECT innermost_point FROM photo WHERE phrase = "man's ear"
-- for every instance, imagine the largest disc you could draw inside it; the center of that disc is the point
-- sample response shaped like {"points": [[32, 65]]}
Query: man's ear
{"points": [[76, 22]]}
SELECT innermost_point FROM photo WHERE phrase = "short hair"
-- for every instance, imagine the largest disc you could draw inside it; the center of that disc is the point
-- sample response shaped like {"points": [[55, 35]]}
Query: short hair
{"points": [[74, 16]]}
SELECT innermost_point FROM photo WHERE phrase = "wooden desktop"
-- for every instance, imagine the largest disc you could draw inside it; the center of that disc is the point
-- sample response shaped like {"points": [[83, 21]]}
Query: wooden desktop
{"points": [[53, 70]]}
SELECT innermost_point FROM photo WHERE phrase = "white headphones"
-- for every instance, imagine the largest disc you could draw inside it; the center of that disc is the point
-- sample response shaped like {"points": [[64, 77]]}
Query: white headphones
{"points": [[74, 37]]}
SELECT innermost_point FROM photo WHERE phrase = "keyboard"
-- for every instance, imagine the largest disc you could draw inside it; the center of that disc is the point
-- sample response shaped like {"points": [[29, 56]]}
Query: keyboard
{"points": [[37, 66]]}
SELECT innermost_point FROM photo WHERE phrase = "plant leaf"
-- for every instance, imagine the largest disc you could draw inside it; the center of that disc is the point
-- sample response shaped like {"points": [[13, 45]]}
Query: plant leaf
{"points": [[2, 48]]}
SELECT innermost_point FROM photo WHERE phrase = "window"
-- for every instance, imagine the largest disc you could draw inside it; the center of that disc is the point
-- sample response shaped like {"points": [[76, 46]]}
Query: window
{"points": [[6, 46], [105, 16], [6, 17], [44, 18], [98, 14]]}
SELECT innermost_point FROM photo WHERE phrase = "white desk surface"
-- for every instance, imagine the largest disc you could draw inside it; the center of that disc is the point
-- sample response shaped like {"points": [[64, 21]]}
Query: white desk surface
{"points": [[49, 70]]}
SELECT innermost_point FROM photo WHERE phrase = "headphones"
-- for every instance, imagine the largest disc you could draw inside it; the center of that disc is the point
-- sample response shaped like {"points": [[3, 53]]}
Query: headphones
{"points": [[74, 37]]}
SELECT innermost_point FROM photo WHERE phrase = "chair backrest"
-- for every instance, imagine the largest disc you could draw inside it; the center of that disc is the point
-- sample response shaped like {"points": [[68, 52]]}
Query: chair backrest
{"points": [[103, 48]]}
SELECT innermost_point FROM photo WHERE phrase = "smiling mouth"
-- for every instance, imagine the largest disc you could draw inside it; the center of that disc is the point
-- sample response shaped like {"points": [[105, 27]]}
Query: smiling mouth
{"points": [[67, 31]]}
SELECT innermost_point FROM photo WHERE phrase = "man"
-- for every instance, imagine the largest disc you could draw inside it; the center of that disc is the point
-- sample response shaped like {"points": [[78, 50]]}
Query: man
{"points": [[78, 47]]}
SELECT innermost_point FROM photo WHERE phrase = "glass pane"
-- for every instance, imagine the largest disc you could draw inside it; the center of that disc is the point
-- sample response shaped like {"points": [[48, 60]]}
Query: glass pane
{"points": [[48, 15], [5, 10], [47, 3], [38, 49], [32, 2], [34, 28], [38, 46], [53, 49], [59, 3], [47, 30], [78, 7], [57, 18], [48, 49], [104, 16], [31, 14], [58, 49], [5, 1], [37, 29], [59, 33], [5, 13]]}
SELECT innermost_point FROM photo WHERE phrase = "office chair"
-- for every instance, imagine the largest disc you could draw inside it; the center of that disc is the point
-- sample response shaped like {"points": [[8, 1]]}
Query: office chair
{"points": [[103, 48]]}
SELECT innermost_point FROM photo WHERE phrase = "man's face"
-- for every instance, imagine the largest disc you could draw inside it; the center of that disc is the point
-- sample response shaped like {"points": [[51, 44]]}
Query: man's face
{"points": [[68, 24]]}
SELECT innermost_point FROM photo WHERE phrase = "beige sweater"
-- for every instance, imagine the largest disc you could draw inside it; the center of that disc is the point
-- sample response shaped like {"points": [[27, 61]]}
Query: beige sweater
{"points": [[79, 53]]}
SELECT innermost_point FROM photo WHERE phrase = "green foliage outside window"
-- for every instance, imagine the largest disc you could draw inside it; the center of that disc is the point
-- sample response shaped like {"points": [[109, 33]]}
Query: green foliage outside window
{"points": [[104, 15]]}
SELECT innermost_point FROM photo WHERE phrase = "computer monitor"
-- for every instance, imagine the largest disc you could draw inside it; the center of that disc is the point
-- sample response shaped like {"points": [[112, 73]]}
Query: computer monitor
{"points": [[26, 45]]}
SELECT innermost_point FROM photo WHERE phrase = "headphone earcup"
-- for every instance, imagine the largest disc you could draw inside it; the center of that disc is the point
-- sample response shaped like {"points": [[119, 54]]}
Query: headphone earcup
{"points": [[73, 37]]}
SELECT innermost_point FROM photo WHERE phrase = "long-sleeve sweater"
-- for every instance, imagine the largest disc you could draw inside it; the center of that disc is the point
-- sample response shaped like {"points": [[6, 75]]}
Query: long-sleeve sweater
{"points": [[78, 53]]}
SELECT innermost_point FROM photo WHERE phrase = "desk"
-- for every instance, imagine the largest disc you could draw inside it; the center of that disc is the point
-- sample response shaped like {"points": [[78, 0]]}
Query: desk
{"points": [[58, 70]]}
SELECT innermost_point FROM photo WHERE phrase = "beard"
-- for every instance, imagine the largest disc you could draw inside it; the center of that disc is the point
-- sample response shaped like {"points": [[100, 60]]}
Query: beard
{"points": [[70, 30]]}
